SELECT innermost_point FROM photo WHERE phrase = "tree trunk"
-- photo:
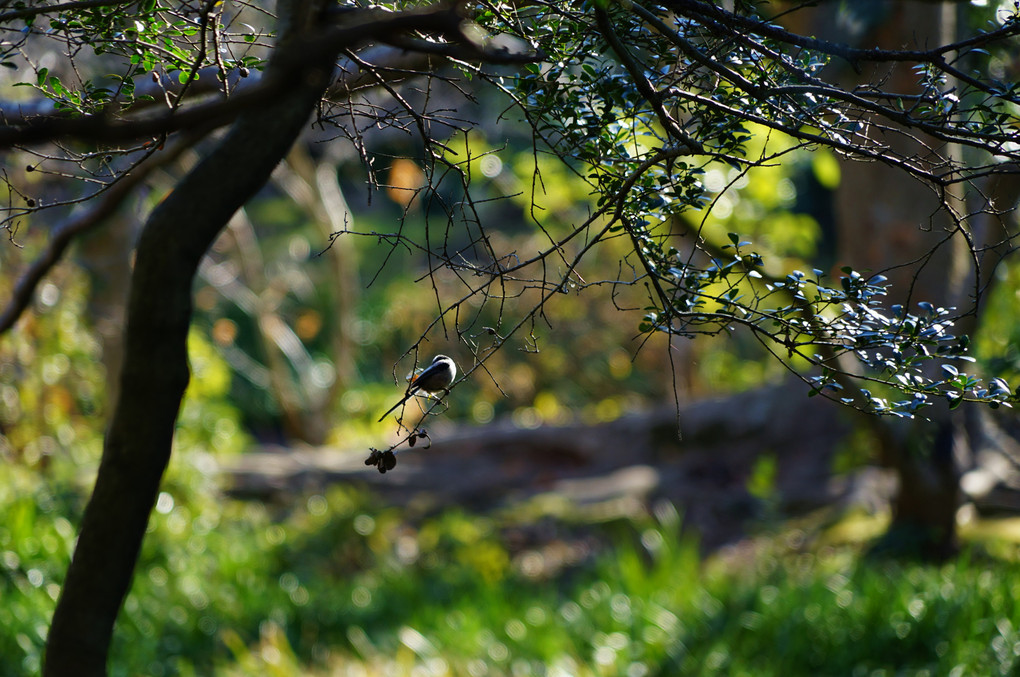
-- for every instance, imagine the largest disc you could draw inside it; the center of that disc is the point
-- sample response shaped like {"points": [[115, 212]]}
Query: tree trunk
{"points": [[885, 218], [924, 508], [155, 368]]}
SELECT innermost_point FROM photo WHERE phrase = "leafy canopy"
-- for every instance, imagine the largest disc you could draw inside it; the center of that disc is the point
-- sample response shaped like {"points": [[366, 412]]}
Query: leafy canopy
{"points": [[638, 99]]}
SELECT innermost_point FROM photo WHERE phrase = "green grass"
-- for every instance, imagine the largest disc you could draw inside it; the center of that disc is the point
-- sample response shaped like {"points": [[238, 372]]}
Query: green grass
{"points": [[338, 584]]}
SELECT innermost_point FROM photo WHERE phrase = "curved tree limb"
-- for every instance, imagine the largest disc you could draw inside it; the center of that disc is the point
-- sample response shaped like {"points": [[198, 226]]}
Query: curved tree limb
{"points": [[155, 372], [30, 12], [356, 28], [65, 233], [371, 67], [853, 55]]}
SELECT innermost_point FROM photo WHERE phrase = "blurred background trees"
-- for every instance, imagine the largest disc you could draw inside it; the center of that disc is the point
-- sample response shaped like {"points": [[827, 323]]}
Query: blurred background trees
{"points": [[606, 190]]}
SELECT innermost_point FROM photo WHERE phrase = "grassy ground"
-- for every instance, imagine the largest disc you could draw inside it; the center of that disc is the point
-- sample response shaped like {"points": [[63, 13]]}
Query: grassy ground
{"points": [[344, 587], [336, 584]]}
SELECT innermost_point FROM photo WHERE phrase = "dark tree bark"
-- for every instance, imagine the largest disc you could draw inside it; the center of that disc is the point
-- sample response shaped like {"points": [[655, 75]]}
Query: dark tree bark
{"points": [[884, 218], [901, 221], [924, 507], [155, 369]]}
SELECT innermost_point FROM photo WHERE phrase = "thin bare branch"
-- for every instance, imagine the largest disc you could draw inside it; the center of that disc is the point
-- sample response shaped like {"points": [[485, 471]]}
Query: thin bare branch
{"points": [[65, 233], [29, 12]]}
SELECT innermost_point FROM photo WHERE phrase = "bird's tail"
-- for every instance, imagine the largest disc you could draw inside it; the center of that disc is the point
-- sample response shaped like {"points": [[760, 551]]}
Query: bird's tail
{"points": [[391, 409]]}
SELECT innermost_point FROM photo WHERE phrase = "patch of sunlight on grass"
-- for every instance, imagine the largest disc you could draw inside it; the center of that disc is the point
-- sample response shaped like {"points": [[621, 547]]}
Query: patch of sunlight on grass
{"points": [[856, 528], [999, 536]]}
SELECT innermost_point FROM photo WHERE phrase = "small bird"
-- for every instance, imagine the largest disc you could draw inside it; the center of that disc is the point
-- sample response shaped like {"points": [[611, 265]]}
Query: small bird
{"points": [[435, 378]]}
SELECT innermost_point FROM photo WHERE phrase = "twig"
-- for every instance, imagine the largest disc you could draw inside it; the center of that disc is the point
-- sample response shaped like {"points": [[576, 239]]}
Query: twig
{"points": [[66, 232], [29, 12]]}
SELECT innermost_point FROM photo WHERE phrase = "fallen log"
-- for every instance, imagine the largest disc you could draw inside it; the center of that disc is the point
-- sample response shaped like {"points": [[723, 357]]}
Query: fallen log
{"points": [[700, 458]]}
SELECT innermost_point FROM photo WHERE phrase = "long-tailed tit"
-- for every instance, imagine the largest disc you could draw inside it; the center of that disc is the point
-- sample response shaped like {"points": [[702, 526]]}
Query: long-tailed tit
{"points": [[437, 377]]}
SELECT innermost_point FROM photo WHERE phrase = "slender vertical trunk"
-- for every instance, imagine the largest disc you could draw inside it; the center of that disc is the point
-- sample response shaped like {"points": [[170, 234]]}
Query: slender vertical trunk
{"points": [[155, 367], [884, 218], [924, 508]]}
